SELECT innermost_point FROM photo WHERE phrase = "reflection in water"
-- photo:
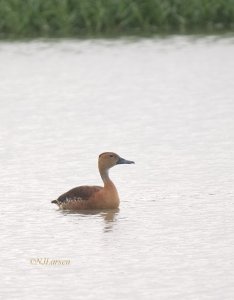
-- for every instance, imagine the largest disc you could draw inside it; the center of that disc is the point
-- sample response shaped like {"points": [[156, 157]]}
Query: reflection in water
{"points": [[108, 215]]}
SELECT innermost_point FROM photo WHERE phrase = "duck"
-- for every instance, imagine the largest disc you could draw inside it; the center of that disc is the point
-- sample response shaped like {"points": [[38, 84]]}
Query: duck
{"points": [[95, 197]]}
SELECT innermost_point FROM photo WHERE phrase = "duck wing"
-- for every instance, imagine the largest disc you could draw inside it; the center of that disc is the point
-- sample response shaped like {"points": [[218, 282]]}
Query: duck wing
{"points": [[78, 193]]}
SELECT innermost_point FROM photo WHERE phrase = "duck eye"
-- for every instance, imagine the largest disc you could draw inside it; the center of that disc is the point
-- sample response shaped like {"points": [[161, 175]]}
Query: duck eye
{"points": [[111, 155]]}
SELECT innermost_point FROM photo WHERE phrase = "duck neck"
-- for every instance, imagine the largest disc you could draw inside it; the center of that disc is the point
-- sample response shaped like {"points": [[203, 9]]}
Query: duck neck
{"points": [[105, 177]]}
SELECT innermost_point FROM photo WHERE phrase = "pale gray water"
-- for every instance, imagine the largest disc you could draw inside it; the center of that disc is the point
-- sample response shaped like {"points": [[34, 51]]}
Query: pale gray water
{"points": [[167, 104]]}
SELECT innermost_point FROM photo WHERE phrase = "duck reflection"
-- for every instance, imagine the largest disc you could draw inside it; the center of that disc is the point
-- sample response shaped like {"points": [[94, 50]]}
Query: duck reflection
{"points": [[109, 216]]}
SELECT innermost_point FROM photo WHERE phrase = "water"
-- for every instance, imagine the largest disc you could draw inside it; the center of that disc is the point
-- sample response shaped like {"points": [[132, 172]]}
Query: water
{"points": [[168, 105]]}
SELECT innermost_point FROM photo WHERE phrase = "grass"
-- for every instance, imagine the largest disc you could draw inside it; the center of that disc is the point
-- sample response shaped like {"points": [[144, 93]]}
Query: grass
{"points": [[85, 18]]}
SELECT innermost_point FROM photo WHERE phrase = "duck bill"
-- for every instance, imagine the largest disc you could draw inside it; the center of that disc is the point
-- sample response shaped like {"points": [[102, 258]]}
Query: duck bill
{"points": [[122, 161]]}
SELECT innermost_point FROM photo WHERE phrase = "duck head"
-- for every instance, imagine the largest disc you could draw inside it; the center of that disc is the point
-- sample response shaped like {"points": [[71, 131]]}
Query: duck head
{"points": [[108, 160]]}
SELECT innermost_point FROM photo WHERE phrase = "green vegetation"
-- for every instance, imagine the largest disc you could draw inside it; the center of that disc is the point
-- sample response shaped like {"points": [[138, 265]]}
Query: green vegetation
{"points": [[82, 18]]}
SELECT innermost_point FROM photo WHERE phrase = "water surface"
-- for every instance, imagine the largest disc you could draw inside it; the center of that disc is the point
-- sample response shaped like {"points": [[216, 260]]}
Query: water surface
{"points": [[168, 105]]}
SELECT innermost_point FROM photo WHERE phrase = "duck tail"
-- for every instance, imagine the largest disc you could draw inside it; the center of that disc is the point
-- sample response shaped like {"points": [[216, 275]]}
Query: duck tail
{"points": [[54, 201]]}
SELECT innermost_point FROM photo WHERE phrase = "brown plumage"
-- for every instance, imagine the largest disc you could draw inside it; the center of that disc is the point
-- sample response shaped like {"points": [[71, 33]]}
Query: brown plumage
{"points": [[95, 197]]}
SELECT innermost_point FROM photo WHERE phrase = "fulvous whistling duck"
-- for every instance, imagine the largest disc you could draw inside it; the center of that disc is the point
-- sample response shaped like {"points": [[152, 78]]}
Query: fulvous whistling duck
{"points": [[95, 197]]}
